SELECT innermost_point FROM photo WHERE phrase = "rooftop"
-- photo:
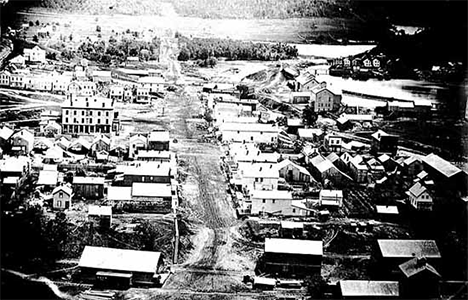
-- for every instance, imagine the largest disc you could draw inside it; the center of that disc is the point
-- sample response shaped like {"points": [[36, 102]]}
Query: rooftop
{"points": [[261, 171], [287, 162], [441, 165], [408, 248], [119, 193], [146, 169], [415, 266], [151, 80], [293, 246], [159, 136], [120, 259], [275, 194], [88, 180], [100, 210], [94, 102], [331, 193], [417, 189], [141, 189], [47, 177], [251, 128], [291, 225], [387, 209], [64, 188], [363, 288]]}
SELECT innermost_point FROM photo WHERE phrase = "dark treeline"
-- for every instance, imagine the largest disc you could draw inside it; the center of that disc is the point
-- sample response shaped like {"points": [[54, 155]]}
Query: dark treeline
{"points": [[203, 48]]}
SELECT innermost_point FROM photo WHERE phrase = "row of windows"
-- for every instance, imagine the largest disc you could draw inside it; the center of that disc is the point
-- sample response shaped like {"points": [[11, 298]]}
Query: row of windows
{"points": [[75, 120], [89, 113]]}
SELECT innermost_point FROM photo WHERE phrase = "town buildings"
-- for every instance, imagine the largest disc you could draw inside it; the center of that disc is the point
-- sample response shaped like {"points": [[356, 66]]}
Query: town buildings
{"points": [[93, 114]]}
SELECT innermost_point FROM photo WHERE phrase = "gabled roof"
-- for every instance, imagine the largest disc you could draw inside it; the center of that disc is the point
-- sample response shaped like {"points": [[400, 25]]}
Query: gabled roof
{"points": [[367, 288], [103, 138], [80, 141], [379, 134], [408, 248], [24, 134], [53, 124], [6, 132], [410, 160], [333, 157], [287, 162], [324, 166], [64, 188], [387, 209], [441, 165], [137, 137], [316, 160], [119, 259], [417, 265], [384, 157], [293, 246], [417, 189]]}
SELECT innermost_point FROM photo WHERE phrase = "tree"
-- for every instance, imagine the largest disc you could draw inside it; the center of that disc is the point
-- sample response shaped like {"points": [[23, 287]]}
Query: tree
{"points": [[35, 39], [38, 23], [67, 54], [98, 28], [315, 285], [51, 55], [211, 62], [184, 55], [31, 23], [309, 116], [70, 37]]}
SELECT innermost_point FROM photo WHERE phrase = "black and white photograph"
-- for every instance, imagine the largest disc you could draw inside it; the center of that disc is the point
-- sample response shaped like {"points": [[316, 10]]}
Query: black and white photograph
{"points": [[233, 149]]}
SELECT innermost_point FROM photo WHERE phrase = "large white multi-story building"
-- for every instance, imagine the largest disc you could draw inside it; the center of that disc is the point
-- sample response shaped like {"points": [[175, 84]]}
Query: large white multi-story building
{"points": [[83, 114]]}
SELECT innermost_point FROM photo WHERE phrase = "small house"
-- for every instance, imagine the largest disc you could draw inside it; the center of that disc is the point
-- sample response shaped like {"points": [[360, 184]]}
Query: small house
{"points": [[151, 172], [62, 197], [154, 197], [331, 198], [323, 99], [158, 140], [100, 143], [116, 92], [367, 289], [142, 95], [293, 173], [22, 141], [420, 197], [289, 229], [137, 142], [88, 187], [262, 283], [310, 134], [5, 134], [272, 202], [80, 146], [333, 143], [383, 142], [100, 215], [419, 279], [52, 128], [254, 133], [299, 98], [388, 162], [119, 267], [393, 252], [34, 54], [387, 213], [292, 257], [260, 177]]}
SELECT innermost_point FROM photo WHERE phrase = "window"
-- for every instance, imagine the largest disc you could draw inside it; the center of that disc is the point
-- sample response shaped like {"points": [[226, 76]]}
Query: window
{"points": [[107, 121], [82, 112], [273, 201], [82, 120], [263, 201], [107, 113], [66, 111], [61, 195], [99, 121], [74, 112], [294, 210], [66, 120], [99, 113]]}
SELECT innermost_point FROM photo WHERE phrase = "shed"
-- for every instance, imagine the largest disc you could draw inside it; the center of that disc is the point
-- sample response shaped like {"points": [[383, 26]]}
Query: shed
{"points": [[100, 215], [143, 266], [158, 140], [262, 283], [292, 258], [89, 187]]}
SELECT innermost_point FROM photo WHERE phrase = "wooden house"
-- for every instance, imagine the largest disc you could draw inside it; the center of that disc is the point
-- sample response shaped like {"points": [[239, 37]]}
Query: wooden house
{"points": [[137, 142], [419, 279], [158, 140], [22, 141], [393, 252], [119, 268], [420, 197], [383, 142], [271, 202], [100, 143], [88, 187], [333, 143], [62, 197], [100, 215], [331, 198], [293, 173], [292, 258]]}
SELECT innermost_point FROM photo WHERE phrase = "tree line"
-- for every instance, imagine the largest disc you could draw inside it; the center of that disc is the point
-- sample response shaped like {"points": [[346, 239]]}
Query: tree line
{"points": [[204, 48]]}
